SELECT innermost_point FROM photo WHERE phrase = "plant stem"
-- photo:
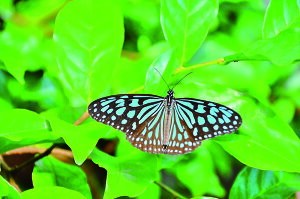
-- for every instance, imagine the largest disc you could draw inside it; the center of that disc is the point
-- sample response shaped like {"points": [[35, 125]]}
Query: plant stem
{"points": [[83, 117], [169, 190], [32, 160], [213, 62]]}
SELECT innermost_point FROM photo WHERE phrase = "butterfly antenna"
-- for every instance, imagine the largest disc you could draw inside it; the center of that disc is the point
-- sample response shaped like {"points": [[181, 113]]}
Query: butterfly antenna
{"points": [[181, 79], [162, 78]]}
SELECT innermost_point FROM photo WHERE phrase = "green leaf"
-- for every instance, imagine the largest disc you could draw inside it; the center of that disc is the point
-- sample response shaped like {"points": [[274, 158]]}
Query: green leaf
{"points": [[7, 191], [20, 127], [81, 144], [253, 183], [127, 175], [186, 24], [88, 46], [268, 144], [52, 172], [19, 49], [279, 16], [165, 64], [199, 171], [51, 192], [278, 49]]}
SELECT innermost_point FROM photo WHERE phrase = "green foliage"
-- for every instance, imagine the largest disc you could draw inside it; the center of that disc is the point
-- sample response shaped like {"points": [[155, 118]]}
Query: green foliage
{"points": [[58, 56], [253, 183], [51, 172]]}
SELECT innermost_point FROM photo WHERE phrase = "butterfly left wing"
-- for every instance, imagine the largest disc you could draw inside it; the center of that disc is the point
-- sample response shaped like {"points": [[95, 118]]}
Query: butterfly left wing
{"points": [[197, 120]]}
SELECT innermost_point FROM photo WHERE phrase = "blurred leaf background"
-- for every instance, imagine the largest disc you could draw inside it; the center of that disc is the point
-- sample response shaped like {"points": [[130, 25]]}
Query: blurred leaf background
{"points": [[57, 56]]}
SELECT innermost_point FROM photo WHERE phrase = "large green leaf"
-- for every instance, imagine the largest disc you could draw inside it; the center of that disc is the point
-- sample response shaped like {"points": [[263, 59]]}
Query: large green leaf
{"points": [[255, 184], [88, 46], [164, 64], [198, 170], [275, 46], [279, 16], [50, 193], [186, 23], [127, 175], [21, 50], [264, 141], [20, 127], [7, 191], [81, 139], [51, 172]]}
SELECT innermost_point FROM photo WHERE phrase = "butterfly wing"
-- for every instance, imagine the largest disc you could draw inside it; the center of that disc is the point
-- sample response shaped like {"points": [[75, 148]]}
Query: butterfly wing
{"points": [[196, 120], [139, 116]]}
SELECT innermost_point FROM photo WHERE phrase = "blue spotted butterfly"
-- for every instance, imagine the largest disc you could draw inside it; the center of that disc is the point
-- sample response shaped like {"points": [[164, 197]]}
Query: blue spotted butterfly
{"points": [[165, 125]]}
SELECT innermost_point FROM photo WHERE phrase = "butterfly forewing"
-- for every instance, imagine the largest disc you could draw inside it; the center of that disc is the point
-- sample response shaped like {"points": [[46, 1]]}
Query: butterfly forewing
{"points": [[127, 113]]}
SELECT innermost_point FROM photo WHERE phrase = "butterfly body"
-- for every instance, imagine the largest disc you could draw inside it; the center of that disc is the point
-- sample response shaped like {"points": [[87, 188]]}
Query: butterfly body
{"points": [[164, 125]]}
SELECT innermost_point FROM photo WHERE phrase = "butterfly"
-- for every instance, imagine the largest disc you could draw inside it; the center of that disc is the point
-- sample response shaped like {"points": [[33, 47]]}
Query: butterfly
{"points": [[165, 125]]}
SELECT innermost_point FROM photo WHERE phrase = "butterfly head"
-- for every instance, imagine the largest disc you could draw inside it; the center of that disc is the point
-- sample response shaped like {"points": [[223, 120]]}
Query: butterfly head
{"points": [[171, 93]]}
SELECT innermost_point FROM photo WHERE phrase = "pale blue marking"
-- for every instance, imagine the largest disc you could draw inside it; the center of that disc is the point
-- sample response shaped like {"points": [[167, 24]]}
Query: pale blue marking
{"points": [[191, 100], [195, 132], [119, 101], [110, 111], [148, 114], [155, 120], [185, 135], [124, 121], [120, 105], [131, 113], [120, 111], [205, 129], [211, 119], [187, 104], [211, 104], [221, 121], [226, 119], [200, 109], [179, 137], [113, 117], [144, 131], [216, 127], [157, 131], [150, 134], [154, 142], [190, 115], [134, 125], [95, 110], [104, 108], [106, 102], [178, 122], [151, 101], [124, 96], [174, 133], [230, 111], [214, 111], [226, 113], [141, 113], [234, 122], [190, 143], [134, 103], [181, 145], [201, 120]]}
